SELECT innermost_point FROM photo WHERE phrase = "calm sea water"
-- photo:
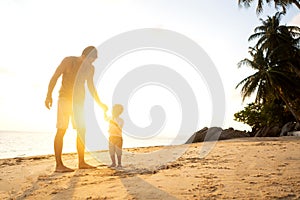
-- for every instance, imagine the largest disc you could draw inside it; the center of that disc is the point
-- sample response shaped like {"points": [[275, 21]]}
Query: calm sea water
{"points": [[22, 144]]}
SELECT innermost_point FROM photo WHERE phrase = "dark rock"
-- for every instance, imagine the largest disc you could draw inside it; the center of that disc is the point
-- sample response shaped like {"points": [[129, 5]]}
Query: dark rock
{"points": [[216, 133], [213, 134], [231, 133], [287, 128], [268, 131], [294, 133], [197, 136], [297, 127]]}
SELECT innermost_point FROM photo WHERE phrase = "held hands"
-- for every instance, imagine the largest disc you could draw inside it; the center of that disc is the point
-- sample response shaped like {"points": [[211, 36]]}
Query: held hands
{"points": [[104, 107], [105, 116], [48, 102]]}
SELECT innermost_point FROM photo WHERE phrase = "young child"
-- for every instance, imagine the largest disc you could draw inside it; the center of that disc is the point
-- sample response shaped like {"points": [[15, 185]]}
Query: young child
{"points": [[115, 134]]}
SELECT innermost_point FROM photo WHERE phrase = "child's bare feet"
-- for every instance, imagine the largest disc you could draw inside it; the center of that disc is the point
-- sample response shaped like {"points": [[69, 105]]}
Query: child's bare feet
{"points": [[63, 169], [119, 166], [112, 165]]}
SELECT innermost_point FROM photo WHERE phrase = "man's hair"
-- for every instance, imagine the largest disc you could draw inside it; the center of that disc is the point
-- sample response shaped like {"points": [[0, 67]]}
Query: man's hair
{"points": [[90, 51]]}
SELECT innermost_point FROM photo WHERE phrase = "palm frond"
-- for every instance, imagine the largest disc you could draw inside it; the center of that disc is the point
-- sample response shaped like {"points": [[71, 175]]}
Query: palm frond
{"points": [[245, 3], [255, 36], [262, 28]]}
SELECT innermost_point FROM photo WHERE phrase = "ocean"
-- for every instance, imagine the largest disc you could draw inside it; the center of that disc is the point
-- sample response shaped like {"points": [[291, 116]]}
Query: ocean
{"points": [[22, 144]]}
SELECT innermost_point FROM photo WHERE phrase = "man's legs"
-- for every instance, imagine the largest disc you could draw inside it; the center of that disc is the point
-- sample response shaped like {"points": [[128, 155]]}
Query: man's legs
{"points": [[58, 145], [64, 109], [81, 148]]}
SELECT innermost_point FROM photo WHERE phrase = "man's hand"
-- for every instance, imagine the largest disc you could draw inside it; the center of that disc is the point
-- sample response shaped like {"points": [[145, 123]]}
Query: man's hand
{"points": [[48, 102]]}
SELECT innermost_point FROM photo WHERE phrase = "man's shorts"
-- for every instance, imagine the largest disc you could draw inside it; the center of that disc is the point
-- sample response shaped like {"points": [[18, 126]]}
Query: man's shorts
{"points": [[65, 110], [115, 145]]}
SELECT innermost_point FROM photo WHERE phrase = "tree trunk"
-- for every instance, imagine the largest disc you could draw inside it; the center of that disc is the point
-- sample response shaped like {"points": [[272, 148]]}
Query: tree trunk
{"points": [[296, 3], [297, 72], [290, 107]]}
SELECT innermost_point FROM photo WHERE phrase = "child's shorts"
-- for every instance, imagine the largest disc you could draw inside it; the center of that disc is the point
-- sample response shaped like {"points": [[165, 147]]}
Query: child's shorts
{"points": [[115, 145]]}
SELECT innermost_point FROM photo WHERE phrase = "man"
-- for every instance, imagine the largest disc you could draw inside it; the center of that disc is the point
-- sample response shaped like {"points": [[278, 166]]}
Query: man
{"points": [[75, 72]]}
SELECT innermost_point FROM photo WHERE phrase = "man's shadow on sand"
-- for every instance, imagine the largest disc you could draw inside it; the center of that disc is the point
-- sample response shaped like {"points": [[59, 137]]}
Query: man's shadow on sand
{"points": [[46, 180], [130, 184]]}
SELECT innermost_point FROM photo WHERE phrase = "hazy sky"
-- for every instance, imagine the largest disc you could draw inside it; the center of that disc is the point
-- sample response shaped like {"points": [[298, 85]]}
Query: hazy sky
{"points": [[36, 35]]}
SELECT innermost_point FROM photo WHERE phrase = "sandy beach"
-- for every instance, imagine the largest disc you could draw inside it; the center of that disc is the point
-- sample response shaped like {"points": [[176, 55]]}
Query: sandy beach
{"points": [[247, 168]]}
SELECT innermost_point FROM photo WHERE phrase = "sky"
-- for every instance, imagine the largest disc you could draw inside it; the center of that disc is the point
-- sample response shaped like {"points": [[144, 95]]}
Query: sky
{"points": [[36, 35]]}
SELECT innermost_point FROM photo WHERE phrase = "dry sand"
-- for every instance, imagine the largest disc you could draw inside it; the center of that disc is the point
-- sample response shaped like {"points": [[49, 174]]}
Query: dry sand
{"points": [[252, 168]]}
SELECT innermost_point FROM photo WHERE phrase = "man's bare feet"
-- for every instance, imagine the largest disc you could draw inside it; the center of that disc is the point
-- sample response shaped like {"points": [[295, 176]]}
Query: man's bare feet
{"points": [[85, 166], [63, 169]]}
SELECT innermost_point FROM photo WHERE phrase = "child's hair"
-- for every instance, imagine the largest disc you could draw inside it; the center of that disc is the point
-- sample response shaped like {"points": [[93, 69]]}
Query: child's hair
{"points": [[117, 109]]}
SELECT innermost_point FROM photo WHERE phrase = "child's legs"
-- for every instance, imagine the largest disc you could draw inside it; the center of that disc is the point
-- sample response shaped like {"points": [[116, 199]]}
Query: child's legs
{"points": [[115, 146], [112, 151], [118, 148], [119, 159]]}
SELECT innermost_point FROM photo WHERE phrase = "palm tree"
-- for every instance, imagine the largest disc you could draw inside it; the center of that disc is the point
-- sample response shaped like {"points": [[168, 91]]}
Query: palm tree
{"points": [[278, 3], [276, 58], [271, 34], [257, 81], [279, 42], [287, 52], [269, 82]]}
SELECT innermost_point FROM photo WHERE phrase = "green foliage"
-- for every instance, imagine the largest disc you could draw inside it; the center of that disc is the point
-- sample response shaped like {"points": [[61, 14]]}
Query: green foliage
{"points": [[250, 115], [268, 114]]}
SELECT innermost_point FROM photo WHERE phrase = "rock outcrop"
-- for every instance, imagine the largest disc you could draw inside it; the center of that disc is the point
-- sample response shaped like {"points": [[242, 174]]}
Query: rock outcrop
{"points": [[276, 131], [287, 128], [268, 131], [216, 133]]}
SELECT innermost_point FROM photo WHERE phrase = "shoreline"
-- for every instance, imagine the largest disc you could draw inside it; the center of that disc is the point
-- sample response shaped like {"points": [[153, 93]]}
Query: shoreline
{"points": [[244, 139], [243, 168]]}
